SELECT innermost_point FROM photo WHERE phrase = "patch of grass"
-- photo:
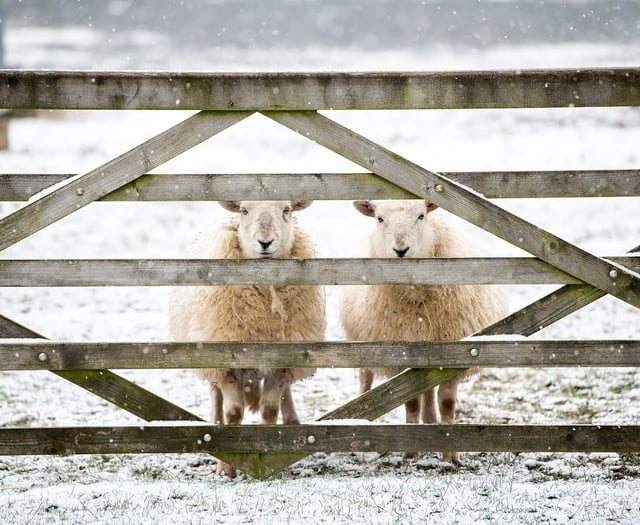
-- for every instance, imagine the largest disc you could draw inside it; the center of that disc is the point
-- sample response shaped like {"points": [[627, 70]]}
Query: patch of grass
{"points": [[576, 390], [23, 421], [626, 383], [579, 413], [148, 471]]}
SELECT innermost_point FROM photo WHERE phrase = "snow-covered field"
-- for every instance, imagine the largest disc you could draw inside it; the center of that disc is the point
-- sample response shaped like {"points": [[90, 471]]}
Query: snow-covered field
{"points": [[324, 488]]}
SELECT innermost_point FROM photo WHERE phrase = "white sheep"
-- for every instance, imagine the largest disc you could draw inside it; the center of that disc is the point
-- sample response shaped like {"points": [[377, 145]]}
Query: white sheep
{"points": [[252, 313], [402, 312]]}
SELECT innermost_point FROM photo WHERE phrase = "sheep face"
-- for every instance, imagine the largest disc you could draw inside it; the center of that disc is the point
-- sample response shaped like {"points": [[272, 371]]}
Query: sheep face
{"points": [[265, 227], [401, 229]]}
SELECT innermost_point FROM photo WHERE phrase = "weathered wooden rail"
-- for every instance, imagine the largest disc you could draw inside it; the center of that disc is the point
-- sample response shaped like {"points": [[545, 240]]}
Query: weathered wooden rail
{"points": [[165, 272], [44, 355], [320, 91], [210, 187], [292, 100]]}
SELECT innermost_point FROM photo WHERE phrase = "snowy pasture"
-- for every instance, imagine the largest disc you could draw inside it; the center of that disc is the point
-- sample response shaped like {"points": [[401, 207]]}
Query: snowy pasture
{"points": [[323, 488]]}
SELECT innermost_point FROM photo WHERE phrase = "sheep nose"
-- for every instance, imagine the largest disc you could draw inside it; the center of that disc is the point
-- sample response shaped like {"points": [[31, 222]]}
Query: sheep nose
{"points": [[265, 244], [401, 253]]}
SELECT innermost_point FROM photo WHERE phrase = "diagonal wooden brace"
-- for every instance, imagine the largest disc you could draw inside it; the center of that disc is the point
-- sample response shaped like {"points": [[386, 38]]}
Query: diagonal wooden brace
{"points": [[150, 407], [97, 183], [526, 321], [411, 383], [112, 387], [473, 207]]}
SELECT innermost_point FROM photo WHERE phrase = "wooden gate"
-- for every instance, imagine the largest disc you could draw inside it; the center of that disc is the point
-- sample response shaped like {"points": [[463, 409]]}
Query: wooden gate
{"points": [[293, 100]]}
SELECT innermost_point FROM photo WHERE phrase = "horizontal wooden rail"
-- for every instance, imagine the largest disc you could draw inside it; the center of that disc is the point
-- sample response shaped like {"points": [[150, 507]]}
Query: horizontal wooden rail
{"points": [[25, 89], [307, 439], [53, 355], [301, 272], [337, 186]]}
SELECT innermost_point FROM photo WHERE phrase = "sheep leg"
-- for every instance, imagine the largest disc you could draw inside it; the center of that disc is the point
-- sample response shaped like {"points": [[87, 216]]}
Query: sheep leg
{"points": [[217, 417], [272, 393], [233, 402], [428, 410], [228, 398], [412, 411], [252, 390], [447, 401], [288, 408], [412, 414], [365, 376]]}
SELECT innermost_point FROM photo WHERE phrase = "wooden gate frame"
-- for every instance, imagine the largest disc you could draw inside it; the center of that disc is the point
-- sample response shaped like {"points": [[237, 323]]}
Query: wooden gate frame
{"points": [[293, 100]]}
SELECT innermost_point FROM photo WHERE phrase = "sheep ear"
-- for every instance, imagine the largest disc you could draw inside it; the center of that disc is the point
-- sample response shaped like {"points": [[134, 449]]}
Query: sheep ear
{"points": [[431, 206], [300, 205], [364, 207], [233, 206]]}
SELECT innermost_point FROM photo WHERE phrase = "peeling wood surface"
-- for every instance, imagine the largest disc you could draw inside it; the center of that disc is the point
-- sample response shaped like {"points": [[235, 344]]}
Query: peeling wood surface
{"points": [[336, 186], [332, 90]]}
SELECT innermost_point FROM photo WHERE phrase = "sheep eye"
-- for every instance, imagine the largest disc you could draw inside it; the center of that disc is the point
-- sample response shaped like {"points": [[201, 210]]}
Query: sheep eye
{"points": [[287, 210], [380, 219], [244, 211], [421, 217]]}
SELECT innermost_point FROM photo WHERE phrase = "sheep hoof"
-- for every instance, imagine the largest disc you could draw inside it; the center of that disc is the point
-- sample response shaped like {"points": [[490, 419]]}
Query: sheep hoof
{"points": [[452, 457], [224, 469]]}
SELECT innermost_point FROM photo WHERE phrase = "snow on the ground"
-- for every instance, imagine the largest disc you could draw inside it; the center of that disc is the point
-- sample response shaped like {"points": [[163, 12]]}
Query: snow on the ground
{"points": [[324, 488]]}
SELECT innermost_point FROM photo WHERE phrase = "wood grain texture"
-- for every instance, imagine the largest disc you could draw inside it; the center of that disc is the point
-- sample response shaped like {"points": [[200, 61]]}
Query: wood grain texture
{"points": [[327, 91], [299, 272], [591, 87], [99, 182], [307, 439], [336, 186], [53, 355]]}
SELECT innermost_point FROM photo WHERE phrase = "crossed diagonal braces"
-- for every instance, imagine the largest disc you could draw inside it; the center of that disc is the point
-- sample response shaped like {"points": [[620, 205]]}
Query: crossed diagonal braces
{"points": [[600, 276]]}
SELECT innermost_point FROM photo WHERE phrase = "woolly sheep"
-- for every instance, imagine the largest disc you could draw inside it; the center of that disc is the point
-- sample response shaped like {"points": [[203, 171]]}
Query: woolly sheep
{"points": [[410, 228], [252, 313]]}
